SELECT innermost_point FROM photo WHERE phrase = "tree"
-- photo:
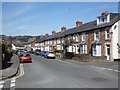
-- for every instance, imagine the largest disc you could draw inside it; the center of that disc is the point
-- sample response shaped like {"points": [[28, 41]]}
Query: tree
{"points": [[66, 43]]}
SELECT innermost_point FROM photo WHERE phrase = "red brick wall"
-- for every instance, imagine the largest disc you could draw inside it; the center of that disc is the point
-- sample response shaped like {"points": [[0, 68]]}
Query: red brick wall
{"points": [[102, 40], [90, 39]]}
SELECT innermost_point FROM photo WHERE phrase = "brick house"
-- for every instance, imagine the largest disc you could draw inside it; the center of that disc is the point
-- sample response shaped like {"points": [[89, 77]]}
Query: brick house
{"points": [[96, 38]]}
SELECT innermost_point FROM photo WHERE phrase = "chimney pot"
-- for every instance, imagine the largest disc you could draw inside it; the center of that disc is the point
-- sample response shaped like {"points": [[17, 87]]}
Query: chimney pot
{"points": [[53, 32], [78, 23], [46, 35], [63, 29], [105, 13]]}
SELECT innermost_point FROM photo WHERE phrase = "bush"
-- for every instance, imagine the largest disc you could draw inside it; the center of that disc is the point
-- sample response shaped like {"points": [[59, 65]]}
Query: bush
{"points": [[6, 52], [69, 55]]}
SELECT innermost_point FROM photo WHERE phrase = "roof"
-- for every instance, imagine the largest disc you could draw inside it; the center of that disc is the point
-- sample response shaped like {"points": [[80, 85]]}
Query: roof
{"points": [[41, 39], [18, 45], [114, 17], [93, 25]]}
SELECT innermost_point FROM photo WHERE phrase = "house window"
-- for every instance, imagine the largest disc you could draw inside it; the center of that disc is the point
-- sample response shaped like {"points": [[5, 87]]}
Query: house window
{"points": [[96, 35], [94, 50], [83, 36], [107, 34], [103, 19], [83, 49], [77, 38]]}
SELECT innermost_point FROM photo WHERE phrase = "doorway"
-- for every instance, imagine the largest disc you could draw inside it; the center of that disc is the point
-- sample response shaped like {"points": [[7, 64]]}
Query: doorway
{"points": [[108, 52]]}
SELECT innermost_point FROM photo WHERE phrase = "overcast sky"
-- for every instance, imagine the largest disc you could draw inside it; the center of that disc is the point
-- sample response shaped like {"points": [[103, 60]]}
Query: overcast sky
{"points": [[36, 18]]}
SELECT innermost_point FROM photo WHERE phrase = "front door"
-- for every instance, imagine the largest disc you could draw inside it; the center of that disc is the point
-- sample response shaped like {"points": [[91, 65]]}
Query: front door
{"points": [[108, 52]]}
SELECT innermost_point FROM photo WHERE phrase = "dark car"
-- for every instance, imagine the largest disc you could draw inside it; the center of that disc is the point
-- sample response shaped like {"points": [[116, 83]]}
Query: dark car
{"points": [[42, 53], [37, 52]]}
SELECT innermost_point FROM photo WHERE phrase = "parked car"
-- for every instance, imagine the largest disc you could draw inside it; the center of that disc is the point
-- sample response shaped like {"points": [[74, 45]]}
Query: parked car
{"points": [[25, 57], [49, 55], [19, 52], [37, 52], [42, 53]]}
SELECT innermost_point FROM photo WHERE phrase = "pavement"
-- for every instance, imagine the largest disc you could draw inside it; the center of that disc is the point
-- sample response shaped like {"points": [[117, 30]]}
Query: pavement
{"points": [[10, 68]]}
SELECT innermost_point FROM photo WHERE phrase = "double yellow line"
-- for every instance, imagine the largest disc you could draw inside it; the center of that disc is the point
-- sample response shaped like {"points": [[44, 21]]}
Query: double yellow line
{"points": [[20, 75], [21, 71]]}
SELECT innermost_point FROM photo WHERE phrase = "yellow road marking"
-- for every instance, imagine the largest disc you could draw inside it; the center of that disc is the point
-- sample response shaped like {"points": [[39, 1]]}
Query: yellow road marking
{"points": [[21, 73]]}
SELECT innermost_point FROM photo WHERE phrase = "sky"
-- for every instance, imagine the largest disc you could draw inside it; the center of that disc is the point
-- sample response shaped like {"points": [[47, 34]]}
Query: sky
{"points": [[36, 18]]}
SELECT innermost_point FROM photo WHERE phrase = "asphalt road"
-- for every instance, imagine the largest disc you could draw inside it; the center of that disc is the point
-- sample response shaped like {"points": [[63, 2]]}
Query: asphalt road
{"points": [[52, 73]]}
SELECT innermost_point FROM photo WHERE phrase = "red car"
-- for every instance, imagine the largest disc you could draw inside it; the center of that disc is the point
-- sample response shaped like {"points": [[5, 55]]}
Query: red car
{"points": [[25, 57]]}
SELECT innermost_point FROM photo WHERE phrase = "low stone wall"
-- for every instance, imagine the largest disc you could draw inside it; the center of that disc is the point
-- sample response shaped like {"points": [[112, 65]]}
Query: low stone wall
{"points": [[58, 55], [88, 58]]}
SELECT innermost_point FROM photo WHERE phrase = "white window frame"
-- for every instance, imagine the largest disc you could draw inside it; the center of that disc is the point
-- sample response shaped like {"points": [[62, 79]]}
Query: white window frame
{"points": [[83, 49], [96, 50], [77, 37], [107, 32], [95, 36], [74, 37], [105, 18], [83, 36]]}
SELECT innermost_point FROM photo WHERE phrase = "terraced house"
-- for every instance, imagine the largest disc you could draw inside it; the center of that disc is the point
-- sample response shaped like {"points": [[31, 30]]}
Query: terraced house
{"points": [[99, 37]]}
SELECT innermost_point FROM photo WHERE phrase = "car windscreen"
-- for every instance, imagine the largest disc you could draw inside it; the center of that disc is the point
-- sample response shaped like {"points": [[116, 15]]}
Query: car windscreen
{"points": [[26, 54]]}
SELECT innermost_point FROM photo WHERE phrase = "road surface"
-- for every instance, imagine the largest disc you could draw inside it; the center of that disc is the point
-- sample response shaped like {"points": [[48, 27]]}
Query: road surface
{"points": [[53, 73]]}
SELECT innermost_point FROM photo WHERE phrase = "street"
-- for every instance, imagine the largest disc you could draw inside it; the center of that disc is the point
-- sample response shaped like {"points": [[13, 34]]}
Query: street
{"points": [[53, 73]]}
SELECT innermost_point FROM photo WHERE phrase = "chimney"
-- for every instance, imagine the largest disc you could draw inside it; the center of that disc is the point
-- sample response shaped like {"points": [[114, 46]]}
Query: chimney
{"points": [[42, 36], [53, 32], [63, 29], [78, 23], [46, 35], [105, 13]]}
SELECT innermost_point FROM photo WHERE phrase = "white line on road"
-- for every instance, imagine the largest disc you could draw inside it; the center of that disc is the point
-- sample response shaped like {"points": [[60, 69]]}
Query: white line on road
{"points": [[109, 69], [116, 71], [1, 84], [12, 85], [105, 68], [13, 80]]}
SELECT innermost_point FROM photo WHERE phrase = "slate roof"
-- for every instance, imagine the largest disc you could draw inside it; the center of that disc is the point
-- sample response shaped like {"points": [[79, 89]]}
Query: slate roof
{"points": [[19, 45], [93, 25], [41, 39], [114, 17]]}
